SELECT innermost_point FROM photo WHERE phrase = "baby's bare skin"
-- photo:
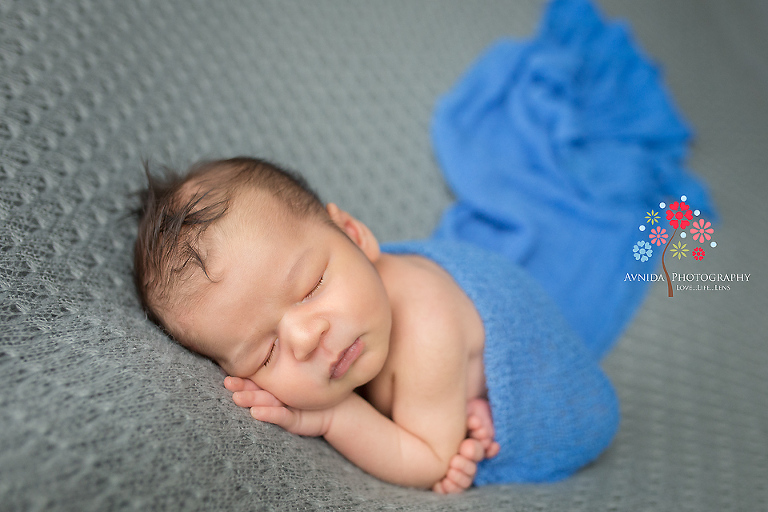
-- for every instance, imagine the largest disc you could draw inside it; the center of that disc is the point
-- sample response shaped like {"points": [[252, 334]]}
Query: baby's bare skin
{"points": [[327, 336], [477, 446]]}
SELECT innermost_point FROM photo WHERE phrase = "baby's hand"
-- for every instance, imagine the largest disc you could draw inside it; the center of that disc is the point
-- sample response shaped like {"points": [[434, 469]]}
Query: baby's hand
{"points": [[462, 468], [479, 445], [480, 426], [265, 407]]}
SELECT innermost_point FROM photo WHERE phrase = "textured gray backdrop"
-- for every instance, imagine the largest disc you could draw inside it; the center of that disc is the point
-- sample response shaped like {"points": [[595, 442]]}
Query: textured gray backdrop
{"points": [[99, 411]]}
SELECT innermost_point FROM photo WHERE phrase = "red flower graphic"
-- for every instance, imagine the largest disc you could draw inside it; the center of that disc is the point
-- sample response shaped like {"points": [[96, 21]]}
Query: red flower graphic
{"points": [[679, 212], [698, 254]]}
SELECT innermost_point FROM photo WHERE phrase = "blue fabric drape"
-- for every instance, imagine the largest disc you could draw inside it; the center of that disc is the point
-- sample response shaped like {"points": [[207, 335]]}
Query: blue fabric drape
{"points": [[555, 148]]}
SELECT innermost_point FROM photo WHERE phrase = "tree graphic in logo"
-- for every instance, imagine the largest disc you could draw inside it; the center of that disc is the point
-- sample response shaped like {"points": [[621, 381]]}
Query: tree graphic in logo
{"points": [[679, 216]]}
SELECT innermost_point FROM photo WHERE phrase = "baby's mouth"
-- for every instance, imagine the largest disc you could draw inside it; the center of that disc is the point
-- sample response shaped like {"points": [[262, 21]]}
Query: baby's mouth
{"points": [[346, 358]]}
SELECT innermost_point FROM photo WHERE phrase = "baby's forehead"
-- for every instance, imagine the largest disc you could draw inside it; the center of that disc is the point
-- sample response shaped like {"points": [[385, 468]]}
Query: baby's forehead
{"points": [[260, 210], [256, 218]]}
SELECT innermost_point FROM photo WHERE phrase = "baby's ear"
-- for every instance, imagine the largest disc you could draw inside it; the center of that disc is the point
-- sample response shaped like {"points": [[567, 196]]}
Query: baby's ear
{"points": [[356, 231]]}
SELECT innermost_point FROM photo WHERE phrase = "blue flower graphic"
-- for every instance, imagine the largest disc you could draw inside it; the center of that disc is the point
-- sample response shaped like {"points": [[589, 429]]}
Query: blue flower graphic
{"points": [[642, 251]]}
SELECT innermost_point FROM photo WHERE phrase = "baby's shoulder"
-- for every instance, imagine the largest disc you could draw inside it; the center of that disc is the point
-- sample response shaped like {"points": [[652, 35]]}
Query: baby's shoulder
{"points": [[419, 282], [421, 291], [493, 283], [432, 318]]}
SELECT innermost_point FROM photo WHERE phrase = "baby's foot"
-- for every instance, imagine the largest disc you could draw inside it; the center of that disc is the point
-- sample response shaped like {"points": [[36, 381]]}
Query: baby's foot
{"points": [[480, 425]]}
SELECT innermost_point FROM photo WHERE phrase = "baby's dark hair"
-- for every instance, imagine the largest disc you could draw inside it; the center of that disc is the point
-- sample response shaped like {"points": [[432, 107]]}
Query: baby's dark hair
{"points": [[176, 210]]}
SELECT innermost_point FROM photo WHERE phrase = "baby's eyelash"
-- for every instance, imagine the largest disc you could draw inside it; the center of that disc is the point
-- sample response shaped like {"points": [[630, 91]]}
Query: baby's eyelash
{"points": [[271, 353], [311, 293]]}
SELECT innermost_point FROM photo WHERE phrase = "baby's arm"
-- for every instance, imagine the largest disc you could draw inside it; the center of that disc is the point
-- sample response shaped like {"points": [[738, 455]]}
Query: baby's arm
{"points": [[417, 454], [363, 435], [462, 467]]}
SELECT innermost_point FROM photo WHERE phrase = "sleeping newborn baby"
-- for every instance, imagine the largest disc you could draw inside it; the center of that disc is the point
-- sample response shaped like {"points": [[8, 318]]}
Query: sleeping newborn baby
{"points": [[390, 353]]}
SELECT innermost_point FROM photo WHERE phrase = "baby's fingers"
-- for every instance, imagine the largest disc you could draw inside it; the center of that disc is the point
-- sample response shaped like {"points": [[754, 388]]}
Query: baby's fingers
{"points": [[463, 465], [461, 469], [259, 398], [447, 486], [470, 449], [490, 447], [479, 416], [462, 480], [481, 434], [238, 384], [280, 416], [492, 450]]}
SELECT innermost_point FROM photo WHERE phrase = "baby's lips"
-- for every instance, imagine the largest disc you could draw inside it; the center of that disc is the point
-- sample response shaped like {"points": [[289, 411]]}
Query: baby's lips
{"points": [[346, 358]]}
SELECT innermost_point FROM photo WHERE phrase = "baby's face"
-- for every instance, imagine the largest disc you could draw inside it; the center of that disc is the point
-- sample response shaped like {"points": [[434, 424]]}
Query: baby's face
{"points": [[295, 306]]}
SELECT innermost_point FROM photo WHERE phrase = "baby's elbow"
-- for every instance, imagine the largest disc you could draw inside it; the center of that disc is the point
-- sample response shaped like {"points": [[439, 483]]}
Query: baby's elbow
{"points": [[426, 479], [439, 473], [429, 471], [426, 462]]}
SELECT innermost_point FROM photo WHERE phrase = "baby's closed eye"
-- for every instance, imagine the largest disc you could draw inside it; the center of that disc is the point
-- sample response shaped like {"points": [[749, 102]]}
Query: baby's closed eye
{"points": [[271, 353], [315, 288]]}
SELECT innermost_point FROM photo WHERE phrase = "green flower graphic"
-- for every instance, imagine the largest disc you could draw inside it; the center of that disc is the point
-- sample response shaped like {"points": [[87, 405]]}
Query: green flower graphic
{"points": [[679, 250]]}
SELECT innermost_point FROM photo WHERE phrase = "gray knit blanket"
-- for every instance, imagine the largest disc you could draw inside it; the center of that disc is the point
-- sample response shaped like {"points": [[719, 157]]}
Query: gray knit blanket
{"points": [[99, 410]]}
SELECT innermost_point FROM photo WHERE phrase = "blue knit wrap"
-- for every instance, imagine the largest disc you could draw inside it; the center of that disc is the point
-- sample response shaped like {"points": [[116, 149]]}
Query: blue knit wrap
{"points": [[553, 408]]}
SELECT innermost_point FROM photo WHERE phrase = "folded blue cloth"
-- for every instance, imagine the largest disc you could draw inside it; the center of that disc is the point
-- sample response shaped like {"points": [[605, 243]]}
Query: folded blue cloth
{"points": [[555, 149], [553, 408]]}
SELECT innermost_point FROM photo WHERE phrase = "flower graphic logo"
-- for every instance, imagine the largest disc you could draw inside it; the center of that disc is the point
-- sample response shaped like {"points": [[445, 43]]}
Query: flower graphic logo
{"points": [[642, 250], [658, 235], [702, 230], [679, 213], [679, 250]]}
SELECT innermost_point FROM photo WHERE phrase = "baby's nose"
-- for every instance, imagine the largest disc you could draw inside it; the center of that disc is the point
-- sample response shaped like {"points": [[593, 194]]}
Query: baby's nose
{"points": [[305, 337]]}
